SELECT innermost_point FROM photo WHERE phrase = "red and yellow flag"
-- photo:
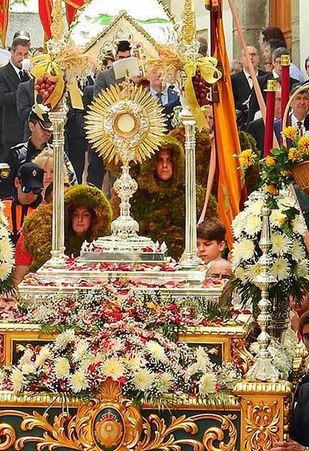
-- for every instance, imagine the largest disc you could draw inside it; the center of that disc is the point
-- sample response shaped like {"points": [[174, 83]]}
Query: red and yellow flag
{"points": [[71, 7], [231, 184], [4, 19], [45, 12]]}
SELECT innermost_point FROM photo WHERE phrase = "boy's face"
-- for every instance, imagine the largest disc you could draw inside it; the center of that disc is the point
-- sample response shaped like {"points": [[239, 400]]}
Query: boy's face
{"points": [[209, 250]]}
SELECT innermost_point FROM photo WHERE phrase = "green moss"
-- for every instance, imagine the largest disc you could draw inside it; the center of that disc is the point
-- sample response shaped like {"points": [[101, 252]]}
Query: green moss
{"points": [[37, 228]]}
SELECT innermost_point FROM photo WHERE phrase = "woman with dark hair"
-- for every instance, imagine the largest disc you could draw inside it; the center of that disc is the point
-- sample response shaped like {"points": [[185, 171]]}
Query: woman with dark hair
{"points": [[88, 216]]}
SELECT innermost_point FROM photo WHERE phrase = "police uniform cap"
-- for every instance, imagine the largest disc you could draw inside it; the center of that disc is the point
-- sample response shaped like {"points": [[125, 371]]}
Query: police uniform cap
{"points": [[39, 113], [31, 175]]}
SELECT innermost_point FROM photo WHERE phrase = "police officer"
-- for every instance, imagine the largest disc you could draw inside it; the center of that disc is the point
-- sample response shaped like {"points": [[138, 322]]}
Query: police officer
{"points": [[28, 188], [40, 128]]}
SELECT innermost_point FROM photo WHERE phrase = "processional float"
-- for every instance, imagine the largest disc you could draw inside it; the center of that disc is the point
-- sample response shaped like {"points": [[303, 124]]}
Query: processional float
{"points": [[256, 412]]}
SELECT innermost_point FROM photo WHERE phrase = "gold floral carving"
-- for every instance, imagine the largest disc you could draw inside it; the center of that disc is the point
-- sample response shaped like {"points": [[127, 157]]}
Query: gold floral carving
{"points": [[240, 355], [109, 420], [163, 437], [262, 425], [2, 351], [7, 436], [187, 33]]}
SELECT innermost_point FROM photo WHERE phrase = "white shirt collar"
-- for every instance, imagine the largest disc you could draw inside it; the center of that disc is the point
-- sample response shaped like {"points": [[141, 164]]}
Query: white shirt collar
{"points": [[17, 70]]}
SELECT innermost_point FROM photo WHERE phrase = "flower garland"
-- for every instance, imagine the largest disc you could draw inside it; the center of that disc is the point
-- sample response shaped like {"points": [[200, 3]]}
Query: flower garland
{"points": [[289, 263], [148, 366], [6, 255]]}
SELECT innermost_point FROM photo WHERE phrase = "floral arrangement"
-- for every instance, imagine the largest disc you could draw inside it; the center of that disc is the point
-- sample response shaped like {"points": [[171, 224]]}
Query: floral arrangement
{"points": [[289, 263], [277, 168], [88, 312], [147, 365], [6, 255]]}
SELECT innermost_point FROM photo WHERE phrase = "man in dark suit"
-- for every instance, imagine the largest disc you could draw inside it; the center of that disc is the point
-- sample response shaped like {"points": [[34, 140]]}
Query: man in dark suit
{"points": [[299, 428], [257, 128], [273, 75], [242, 84], [11, 76], [107, 77]]}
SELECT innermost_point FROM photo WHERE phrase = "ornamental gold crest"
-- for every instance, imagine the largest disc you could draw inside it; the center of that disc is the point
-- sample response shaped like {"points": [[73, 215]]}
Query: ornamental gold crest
{"points": [[113, 423]]}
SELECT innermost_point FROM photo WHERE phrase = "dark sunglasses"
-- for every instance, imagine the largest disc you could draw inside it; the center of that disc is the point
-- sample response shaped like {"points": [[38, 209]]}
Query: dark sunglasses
{"points": [[27, 190]]}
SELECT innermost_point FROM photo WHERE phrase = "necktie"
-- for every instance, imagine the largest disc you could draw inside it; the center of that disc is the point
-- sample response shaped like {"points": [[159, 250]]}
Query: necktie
{"points": [[159, 96], [300, 128], [250, 81], [21, 75]]}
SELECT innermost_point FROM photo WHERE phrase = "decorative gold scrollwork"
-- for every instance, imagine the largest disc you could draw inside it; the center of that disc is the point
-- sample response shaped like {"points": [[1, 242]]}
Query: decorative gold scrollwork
{"points": [[108, 421], [164, 438], [240, 355], [262, 425], [7, 436]]}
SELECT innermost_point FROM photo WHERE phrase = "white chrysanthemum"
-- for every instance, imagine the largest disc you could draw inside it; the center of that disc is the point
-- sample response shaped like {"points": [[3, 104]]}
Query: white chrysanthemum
{"points": [[255, 206], [28, 368], [143, 380], [277, 218], [280, 268], [238, 224], [136, 362], [80, 351], [302, 269], [241, 274], [207, 384], [164, 382], [78, 381], [64, 339], [243, 250], [281, 244], [253, 271], [113, 368], [62, 367], [42, 356], [299, 225], [156, 350], [17, 379], [2, 376], [202, 359], [298, 251], [5, 270], [7, 251], [286, 202], [27, 356], [253, 225]]}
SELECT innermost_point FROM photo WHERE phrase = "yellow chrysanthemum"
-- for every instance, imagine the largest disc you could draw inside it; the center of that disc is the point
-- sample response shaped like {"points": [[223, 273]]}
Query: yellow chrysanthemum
{"points": [[247, 158], [270, 161], [271, 189], [113, 368], [303, 143], [78, 381], [289, 132], [295, 154]]}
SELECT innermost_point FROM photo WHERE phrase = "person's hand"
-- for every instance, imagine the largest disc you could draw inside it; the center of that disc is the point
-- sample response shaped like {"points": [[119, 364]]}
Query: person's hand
{"points": [[290, 445]]}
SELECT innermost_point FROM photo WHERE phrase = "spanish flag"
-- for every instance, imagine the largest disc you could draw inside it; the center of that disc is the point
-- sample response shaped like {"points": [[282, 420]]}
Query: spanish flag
{"points": [[4, 19], [45, 13], [71, 7], [231, 184]]}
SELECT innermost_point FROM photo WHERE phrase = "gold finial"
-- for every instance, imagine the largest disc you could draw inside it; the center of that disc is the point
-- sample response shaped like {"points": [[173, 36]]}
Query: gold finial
{"points": [[272, 85], [57, 26], [285, 60], [187, 33]]}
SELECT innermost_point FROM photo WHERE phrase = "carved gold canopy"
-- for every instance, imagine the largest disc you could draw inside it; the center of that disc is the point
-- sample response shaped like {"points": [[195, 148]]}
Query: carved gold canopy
{"points": [[122, 27]]}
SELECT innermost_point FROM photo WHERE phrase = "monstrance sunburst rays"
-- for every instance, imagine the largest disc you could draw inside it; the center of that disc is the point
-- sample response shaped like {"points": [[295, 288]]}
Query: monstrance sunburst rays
{"points": [[125, 122]]}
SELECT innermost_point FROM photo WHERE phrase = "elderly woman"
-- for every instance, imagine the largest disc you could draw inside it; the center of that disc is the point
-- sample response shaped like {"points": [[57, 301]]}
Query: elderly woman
{"points": [[88, 215]]}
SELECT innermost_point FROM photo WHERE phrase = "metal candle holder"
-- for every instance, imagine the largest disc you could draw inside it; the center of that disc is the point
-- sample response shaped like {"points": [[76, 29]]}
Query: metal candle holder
{"points": [[263, 368]]}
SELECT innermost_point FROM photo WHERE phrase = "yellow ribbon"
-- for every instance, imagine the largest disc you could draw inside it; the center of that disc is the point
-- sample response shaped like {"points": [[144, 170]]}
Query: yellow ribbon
{"points": [[210, 73]]}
